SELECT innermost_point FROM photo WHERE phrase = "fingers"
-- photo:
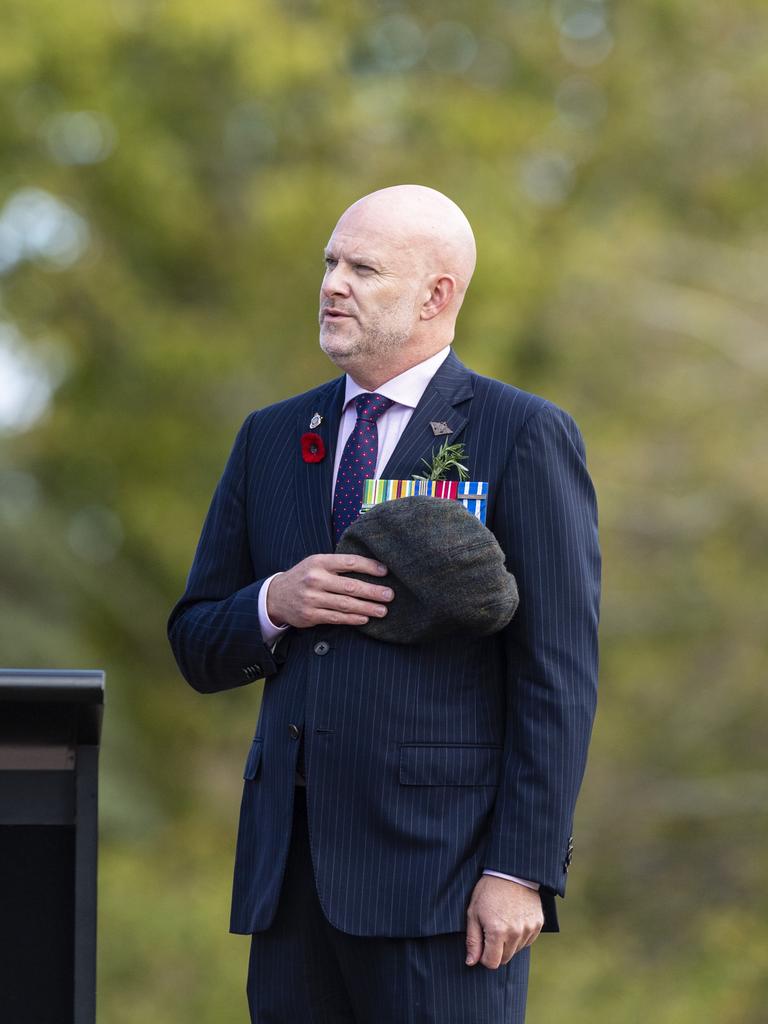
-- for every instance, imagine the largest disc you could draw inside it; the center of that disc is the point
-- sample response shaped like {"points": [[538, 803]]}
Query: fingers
{"points": [[498, 947], [333, 584], [525, 935], [503, 918], [493, 949], [474, 940], [515, 945], [353, 606], [489, 948], [323, 573], [335, 592], [313, 592], [351, 563]]}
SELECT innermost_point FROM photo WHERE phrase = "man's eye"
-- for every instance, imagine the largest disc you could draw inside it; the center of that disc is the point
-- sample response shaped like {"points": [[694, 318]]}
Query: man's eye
{"points": [[330, 262], [362, 266]]}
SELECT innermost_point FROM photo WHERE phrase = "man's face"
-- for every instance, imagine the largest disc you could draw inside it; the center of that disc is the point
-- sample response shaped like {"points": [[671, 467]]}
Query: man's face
{"points": [[371, 294]]}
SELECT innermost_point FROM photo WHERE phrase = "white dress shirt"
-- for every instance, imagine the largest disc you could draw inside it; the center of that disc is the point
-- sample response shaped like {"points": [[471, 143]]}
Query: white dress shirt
{"points": [[405, 391]]}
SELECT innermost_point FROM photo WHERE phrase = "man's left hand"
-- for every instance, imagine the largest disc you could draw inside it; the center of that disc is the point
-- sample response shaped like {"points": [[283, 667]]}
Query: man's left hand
{"points": [[503, 917]]}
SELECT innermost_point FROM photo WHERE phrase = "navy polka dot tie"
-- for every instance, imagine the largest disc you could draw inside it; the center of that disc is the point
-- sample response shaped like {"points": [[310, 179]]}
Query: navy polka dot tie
{"points": [[358, 461]]}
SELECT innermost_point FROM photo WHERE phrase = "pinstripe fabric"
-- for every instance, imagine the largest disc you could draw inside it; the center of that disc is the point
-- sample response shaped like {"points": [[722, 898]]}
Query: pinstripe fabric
{"points": [[305, 970], [424, 763]]}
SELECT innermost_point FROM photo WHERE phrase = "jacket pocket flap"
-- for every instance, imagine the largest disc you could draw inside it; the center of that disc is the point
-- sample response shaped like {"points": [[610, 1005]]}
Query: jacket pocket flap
{"points": [[253, 760], [450, 764]]}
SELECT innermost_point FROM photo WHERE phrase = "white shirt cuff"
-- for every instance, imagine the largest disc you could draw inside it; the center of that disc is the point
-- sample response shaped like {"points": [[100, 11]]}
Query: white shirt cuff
{"points": [[512, 878], [269, 631]]}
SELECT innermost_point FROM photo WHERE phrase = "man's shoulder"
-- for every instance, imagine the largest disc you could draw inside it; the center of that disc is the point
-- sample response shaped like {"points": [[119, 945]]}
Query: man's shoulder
{"points": [[516, 405], [508, 394], [508, 411]]}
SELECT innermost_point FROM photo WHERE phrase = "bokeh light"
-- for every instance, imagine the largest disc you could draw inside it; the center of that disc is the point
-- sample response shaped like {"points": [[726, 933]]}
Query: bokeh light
{"points": [[79, 137], [35, 225], [27, 380]]}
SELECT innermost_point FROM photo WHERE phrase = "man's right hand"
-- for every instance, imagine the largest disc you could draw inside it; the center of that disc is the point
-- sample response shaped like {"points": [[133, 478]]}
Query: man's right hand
{"points": [[314, 592]]}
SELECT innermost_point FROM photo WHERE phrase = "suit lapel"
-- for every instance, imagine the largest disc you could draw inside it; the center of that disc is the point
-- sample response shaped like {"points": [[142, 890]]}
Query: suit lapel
{"points": [[313, 479], [451, 385]]}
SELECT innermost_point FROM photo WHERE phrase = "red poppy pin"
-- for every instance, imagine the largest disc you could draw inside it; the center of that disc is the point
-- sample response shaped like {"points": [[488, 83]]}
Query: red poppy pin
{"points": [[312, 447]]}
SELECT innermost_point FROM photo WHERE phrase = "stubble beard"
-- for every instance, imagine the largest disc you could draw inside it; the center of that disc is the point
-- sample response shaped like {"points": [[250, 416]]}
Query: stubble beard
{"points": [[380, 339]]}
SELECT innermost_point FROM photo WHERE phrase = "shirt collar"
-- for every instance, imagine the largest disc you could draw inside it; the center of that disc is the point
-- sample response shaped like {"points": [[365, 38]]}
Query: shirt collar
{"points": [[408, 387]]}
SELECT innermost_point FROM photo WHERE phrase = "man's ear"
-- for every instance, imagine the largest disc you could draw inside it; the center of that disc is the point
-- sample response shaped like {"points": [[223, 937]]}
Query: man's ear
{"points": [[441, 291]]}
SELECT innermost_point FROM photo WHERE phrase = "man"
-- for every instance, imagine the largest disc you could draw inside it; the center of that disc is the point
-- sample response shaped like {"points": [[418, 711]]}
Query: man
{"points": [[404, 871]]}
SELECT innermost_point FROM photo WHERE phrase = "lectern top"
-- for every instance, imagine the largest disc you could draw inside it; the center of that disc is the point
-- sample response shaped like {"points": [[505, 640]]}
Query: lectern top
{"points": [[59, 685]]}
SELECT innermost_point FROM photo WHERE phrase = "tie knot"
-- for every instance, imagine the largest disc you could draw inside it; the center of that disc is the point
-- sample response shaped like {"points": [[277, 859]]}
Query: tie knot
{"points": [[370, 407]]}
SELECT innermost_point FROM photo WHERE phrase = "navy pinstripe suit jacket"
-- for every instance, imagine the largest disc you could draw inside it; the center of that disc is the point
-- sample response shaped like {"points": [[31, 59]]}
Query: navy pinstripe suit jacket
{"points": [[425, 763]]}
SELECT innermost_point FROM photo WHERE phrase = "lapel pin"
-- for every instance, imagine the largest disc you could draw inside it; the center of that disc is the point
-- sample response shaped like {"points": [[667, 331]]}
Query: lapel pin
{"points": [[440, 428], [316, 420]]}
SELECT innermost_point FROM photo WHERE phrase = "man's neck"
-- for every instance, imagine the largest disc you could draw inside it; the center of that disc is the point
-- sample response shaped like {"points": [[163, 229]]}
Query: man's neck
{"points": [[372, 377]]}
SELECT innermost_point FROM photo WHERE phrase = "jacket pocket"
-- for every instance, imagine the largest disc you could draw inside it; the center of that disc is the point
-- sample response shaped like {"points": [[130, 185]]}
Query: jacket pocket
{"points": [[253, 761], [450, 764]]}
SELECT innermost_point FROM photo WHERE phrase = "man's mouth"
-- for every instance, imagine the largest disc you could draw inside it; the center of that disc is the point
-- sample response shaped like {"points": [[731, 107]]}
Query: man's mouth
{"points": [[330, 313]]}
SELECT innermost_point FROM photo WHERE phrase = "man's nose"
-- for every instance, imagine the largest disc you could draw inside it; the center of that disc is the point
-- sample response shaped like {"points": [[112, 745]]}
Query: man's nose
{"points": [[335, 281]]}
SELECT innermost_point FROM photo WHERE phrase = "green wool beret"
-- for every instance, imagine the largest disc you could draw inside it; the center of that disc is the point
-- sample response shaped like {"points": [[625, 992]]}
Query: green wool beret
{"points": [[446, 570]]}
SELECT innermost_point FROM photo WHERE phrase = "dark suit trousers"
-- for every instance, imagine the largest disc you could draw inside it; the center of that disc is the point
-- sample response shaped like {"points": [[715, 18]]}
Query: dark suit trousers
{"points": [[304, 971]]}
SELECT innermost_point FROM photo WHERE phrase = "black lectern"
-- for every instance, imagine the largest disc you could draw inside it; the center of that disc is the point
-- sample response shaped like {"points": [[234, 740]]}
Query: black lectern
{"points": [[50, 725]]}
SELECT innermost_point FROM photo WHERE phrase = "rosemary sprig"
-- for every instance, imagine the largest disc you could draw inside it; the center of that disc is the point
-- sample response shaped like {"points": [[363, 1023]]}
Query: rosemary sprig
{"points": [[447, 458]]}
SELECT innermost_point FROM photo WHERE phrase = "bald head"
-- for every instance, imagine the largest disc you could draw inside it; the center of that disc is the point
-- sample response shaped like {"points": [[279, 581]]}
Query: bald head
{"points": [[398, 265], [430, 224]]}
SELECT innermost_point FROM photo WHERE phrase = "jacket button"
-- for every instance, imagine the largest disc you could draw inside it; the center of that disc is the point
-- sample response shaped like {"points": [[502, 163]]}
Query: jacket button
{"points": [[294, 731], [322, 647]]}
